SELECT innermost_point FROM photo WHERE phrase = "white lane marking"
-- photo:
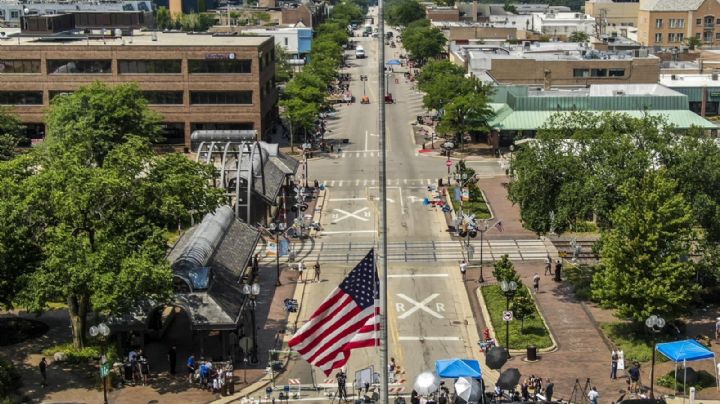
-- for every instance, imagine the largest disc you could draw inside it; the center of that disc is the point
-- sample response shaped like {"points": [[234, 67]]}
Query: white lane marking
{"points": [[366, 140], [405, 181], [357, 182], [419, 306], [372, 182], [364, 182], [418, 275], [347, 214], [346, 199], [348, 231], [332, 183], [343, 155], [357, 154], [340, 184], [407, 338]]}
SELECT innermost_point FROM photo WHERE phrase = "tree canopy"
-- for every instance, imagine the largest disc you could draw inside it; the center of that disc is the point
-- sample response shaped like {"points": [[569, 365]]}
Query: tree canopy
{"points": [[403, 12], [423, 42], [91, 205], [645, 268]]}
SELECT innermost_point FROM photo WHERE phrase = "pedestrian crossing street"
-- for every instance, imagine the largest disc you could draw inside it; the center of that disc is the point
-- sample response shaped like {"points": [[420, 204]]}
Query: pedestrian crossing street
{"points": [[416, 251]]}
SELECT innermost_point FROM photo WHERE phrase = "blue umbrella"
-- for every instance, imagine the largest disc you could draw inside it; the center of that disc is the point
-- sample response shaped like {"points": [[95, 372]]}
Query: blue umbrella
{"points": [[393, 62]]}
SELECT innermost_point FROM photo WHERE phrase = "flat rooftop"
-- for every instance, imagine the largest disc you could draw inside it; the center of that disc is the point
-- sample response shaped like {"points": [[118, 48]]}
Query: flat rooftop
{"points": [[606, 90], [541, 51], [689, 80], [139, 38]]}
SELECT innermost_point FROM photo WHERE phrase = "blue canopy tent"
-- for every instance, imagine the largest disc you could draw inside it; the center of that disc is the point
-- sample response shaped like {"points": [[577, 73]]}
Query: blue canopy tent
{"points": [[685, 351], [455, 368]]}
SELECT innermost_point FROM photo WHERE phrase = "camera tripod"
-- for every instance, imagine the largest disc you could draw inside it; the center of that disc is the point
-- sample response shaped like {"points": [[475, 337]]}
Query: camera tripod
{"points": [[579, 393]]}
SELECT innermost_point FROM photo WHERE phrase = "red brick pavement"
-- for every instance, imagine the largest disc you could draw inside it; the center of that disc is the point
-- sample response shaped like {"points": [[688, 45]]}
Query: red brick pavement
{"points": [[495, 190]]}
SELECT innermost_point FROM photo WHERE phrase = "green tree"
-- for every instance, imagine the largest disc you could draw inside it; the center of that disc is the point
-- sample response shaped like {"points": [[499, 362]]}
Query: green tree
{"points": [[504, 270], [435, 68], [306, 87], [578, 36], [644, 265], [10, 134], [283, 70], [522, 306], [466, 113], [694, 42], [346, 12], [509, 7], [163, 19], [101, 202], [403, 12], [423, 42], [301, 116]]}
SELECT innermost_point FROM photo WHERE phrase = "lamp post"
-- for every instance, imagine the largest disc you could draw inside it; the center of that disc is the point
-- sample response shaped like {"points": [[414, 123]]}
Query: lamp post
{"points": [[461, 179], [363, 78], [277, 228], [251, 292], [482, 228], [102, 331], [306, 147], [655, 324], [508, 289]]}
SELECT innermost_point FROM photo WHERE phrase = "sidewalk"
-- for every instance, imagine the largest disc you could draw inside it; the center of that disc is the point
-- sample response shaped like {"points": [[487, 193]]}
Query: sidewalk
{"points": [[495, 190]]}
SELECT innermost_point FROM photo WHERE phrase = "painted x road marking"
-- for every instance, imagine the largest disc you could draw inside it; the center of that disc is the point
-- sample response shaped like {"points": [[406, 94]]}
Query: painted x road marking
{"points": [[348, 214], [420, 306]]}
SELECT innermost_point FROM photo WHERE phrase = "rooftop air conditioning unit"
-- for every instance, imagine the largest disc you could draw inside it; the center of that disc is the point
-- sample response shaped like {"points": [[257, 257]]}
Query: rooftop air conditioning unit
{"points": [[619, 92], [715, 76], [673, 77]]}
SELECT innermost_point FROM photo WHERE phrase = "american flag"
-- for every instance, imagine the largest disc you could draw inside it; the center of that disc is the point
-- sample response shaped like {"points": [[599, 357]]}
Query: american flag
{"points": [[347, 319]]}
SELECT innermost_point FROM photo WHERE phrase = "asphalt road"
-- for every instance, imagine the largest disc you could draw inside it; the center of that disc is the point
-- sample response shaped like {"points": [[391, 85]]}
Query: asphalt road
{"points": [[429, 315]]}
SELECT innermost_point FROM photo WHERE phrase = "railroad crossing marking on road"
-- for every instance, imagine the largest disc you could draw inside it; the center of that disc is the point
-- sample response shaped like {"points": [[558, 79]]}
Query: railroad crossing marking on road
{"points": [[419, 306], [337, 218], [507, 315]]}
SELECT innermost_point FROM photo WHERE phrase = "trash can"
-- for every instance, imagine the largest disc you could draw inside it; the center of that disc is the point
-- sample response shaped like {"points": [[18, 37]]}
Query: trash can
{"points": [[531, 353]]}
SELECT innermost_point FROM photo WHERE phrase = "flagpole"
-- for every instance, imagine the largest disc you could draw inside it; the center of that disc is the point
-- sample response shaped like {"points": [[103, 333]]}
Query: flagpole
{"points": [[384, 397]]}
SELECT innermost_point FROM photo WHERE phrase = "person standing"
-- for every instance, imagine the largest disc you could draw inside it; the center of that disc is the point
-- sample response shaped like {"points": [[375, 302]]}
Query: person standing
{"points": [[301, 269], [558, 271], [717, 329], [536, 282], [172, 358], [634, 373], [614, 364], [549, 389], [593, 395], [317, 272], [190, 364], [341, 378], [548, 265], [463, 269], [43, 372]]}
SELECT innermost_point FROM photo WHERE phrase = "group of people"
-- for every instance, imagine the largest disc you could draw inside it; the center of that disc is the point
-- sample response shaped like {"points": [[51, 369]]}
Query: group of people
{"points": [[209, 376], [532, 389], [136, 368], [301, 269]]}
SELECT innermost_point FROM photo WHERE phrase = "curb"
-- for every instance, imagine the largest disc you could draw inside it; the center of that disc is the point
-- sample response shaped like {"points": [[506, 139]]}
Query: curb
{"points": [[488, 323]]}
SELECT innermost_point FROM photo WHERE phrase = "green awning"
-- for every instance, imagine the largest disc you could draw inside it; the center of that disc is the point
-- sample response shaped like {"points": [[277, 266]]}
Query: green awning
{"points": [[507, 119]]}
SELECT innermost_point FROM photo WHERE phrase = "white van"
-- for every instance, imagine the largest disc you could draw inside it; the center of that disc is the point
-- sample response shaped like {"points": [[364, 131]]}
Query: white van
{"points": [[359, 53]]}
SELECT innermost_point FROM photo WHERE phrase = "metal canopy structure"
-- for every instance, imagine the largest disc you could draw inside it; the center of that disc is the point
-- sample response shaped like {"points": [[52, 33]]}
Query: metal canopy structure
{"points": [[240, 160]]}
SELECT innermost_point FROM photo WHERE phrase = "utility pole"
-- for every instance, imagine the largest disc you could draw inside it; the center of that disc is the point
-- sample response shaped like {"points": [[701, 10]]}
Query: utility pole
{"points": [[384, 396]]}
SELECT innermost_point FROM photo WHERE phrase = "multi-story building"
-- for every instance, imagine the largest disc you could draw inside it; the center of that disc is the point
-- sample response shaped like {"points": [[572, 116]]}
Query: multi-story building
{"points": [[562, 24], [556, 64], [669, 23], [297, 41], [12, 11], [613, 17], [195, 82]]}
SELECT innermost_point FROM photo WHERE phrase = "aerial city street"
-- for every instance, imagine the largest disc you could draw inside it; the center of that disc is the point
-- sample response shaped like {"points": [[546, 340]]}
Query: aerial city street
{"points": [[444, 201]]}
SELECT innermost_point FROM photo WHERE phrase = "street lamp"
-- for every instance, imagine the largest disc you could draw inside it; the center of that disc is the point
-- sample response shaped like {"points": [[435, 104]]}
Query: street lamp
{"points": [[482, 228], [387, 83], [306, 147], [364, 79], [508, 289], [461, 179], [277, 228], [252, 292], [102, 331], [655, 324]]}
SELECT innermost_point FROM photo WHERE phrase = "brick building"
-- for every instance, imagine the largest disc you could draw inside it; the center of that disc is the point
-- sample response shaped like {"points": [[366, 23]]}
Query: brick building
{"points": [[613, 17], [195, 82], [669, 23]]}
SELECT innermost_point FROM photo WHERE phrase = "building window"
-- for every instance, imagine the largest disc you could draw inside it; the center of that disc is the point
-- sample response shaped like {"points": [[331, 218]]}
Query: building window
{"points": [[164, 97], [102, 66], [581, 73], [20, 66], [717, 36], [21, 97], [34, 133], [658, 37], [680, 37], [56, 93], [658, 23], [698, 21], [708, 37], [221, 126], [286, 42], [172, 133], [598, 72], [677, 23], [616, 72], [14, 15], [220, 97], [717, 22], [219, 66], [149, 66]]}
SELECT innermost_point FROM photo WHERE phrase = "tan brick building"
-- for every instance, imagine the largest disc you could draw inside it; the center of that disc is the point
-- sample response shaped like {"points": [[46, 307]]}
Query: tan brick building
{"points": [[669, 23], [613, 16], [194, 81], [442, 13]]}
